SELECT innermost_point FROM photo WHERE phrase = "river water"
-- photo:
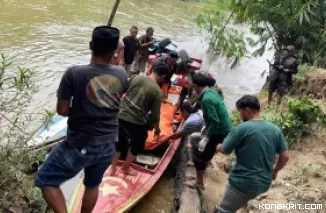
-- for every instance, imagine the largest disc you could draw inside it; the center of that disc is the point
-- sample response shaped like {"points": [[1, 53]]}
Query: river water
{"points": [[51, 35]]}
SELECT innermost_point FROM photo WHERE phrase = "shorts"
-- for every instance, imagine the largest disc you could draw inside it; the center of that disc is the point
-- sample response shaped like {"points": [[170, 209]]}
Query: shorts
{"points": [[133, 134], [277, 86], [202, 159], [65, 162], [233, 200]]}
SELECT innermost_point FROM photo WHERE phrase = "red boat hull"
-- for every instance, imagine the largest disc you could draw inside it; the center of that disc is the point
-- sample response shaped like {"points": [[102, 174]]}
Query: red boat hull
{"points": [[119, 193]]}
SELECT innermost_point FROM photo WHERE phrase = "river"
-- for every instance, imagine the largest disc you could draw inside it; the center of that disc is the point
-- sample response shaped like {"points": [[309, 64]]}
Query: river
{"points": [[51, 35]]}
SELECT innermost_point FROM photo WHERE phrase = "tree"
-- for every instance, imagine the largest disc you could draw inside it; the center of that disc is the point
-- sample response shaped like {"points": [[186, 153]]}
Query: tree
{"points": [[17, 87], [284, 22]]}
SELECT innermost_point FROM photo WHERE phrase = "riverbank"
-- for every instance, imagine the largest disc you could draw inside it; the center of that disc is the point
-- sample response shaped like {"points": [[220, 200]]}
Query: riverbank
{"points": [[301, 118]]}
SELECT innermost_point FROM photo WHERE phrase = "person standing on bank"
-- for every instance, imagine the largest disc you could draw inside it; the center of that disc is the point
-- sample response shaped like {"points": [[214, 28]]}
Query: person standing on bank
{"points": [[95, 91], [218, 124], [143, 95], [281, 78], [255, 142], [131, 43], [145, 41]]}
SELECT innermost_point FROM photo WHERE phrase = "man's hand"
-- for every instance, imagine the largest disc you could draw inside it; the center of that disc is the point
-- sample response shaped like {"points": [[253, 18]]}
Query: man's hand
{"points": [[280, 67], [219, 148], [157, 137], [286, 70], [157, 134]]}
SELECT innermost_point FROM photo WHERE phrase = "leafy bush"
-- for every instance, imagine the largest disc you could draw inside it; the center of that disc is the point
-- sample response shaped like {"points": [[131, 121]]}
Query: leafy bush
{"points": [[295, 118], [17, 87]]}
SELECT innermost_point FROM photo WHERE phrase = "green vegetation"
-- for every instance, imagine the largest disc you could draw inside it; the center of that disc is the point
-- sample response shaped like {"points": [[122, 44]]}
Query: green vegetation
{"points": [[283, 22], [295, 117], [17, 164]]}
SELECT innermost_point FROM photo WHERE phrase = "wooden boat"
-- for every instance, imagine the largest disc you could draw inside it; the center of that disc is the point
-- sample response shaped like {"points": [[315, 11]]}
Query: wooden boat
{"points": [[121, 192]]}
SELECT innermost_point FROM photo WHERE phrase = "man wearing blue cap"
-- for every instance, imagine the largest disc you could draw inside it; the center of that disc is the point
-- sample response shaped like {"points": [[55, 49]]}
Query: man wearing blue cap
{"points": [[95, 91]]}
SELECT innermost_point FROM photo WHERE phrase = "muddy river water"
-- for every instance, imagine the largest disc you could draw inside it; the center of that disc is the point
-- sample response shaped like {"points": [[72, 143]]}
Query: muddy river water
{"points": [[50, 35]]}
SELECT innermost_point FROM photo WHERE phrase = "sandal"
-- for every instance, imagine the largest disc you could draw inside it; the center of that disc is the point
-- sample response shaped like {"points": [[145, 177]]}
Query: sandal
{"points": [[194, 185]]}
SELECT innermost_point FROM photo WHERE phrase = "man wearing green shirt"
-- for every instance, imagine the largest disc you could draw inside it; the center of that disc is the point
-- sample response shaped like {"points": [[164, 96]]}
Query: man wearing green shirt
{"points": [[255, 142], [218, 125], [142, 96]]}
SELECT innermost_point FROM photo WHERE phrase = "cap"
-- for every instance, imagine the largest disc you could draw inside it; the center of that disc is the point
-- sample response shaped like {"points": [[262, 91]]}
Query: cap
{"points": [[105, 39], [290, 48], [173, 54]]}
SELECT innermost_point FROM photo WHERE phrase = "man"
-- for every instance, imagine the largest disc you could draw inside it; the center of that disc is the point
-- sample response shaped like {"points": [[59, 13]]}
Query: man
{"points": [[255, 142], [187, 87], [146, 41], [117, 58], [131, 47], [92, 123], [170, 59], [193, 122], [143, 95], [218, 125], [281, 78]]}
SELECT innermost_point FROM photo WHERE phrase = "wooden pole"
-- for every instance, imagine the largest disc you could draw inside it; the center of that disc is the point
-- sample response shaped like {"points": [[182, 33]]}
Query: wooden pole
{"points": [[113, 12]]}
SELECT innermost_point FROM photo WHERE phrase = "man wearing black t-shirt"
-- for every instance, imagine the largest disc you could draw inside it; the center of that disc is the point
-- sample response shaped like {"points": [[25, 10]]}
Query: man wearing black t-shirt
{"points": [[131, 47], [95, 91]]}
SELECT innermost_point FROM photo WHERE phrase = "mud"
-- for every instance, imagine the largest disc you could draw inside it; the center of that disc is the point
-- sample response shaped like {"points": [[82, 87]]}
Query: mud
{"points": [[312, 85]]}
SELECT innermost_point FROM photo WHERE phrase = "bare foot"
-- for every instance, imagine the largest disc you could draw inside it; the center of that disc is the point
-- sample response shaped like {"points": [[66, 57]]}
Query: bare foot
{"points": [[190, 163], [113, 172], [129, 171], [189, 146]]}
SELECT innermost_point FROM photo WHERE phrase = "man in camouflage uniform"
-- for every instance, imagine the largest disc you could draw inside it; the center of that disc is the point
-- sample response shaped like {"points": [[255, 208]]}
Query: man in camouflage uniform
{"points": [[281, 78]]}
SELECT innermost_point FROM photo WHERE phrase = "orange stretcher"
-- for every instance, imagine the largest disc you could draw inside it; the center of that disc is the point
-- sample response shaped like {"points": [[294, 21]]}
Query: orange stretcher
{"points": [[166, 125]]}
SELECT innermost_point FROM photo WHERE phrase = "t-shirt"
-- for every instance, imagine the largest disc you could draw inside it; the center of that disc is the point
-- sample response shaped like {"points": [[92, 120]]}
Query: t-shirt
{"points": [[255, 143], [131, 47], [193, 123], [143, 51], [216, 116], [94, 91], [143, 95]]}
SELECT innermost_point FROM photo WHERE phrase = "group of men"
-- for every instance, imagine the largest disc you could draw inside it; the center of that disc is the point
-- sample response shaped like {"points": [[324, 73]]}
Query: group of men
{"points": [[107, 114], [132, 53]]}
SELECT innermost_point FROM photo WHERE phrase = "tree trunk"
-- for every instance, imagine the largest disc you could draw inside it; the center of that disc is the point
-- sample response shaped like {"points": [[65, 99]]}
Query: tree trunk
{"points": [[186, 200], [113, 12]]}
